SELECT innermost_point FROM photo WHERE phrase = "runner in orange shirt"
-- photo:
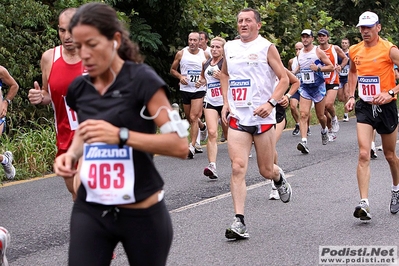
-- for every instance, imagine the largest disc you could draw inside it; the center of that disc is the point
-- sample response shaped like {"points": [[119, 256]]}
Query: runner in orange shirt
{"points": [[371, 66]]}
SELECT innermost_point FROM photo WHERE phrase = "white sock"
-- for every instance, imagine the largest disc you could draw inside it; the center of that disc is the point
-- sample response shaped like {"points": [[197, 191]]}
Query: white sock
{"points": [[305, 140], [334, 118], [395, 188], [346, 114], [373, 145], [213, 164], [324, 130], [366, 200], [198, 137]]}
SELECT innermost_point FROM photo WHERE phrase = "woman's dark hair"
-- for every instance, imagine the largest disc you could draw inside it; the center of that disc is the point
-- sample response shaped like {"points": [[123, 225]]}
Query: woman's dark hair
{"points": [[104, 19]]}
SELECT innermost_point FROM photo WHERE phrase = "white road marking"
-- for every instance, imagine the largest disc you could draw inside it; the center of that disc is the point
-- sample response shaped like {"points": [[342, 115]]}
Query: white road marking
{"points": [[222, 196]]}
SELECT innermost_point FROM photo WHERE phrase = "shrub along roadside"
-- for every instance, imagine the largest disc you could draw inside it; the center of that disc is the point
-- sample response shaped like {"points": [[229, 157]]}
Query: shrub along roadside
{"points": [[33, 148]]}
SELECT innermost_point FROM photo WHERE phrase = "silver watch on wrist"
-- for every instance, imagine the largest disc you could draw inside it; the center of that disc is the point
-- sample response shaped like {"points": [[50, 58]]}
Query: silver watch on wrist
{"points": [[123, 136], [273, 102]]}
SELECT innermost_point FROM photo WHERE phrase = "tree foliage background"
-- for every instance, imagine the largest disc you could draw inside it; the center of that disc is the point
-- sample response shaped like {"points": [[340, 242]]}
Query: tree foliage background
{"points": [[161, 27]]}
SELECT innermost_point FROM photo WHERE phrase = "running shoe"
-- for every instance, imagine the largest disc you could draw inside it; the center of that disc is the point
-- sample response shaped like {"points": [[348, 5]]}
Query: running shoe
{"points": [[346, 118], [4, 242], [191, 152], [222, 137], [296, 130], [331, 136], [210, 171], [335, 125], [362, 211], [274, 193], [284, 190], [324, 138], [373, 154], [198, 148], [302, 147], [394, 204], [309, 133], [204, 133], [237, 230], [9, 169]]}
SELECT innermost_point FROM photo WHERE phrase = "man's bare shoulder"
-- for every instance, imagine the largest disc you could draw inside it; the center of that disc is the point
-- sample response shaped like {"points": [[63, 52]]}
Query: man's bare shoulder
{"points": [[47, 56], [178, 56], [3, 72], [180, 53]]}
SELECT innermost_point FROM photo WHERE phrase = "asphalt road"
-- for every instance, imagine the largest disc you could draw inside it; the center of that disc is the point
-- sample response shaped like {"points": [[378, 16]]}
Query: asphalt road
{"points": [[320, 214]]}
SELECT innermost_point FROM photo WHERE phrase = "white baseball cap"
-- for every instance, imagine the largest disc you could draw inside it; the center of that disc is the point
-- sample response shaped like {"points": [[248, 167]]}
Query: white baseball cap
{"points": [[308, 32], [368, 19]]}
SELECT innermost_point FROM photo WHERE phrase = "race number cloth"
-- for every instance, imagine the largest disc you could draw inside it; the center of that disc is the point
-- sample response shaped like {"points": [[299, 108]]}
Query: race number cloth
{"points": [[72, 116], [193, 76], [107, 173], [214, 94], [345, 71], [307, 76], [368, 86], [241, 91]]}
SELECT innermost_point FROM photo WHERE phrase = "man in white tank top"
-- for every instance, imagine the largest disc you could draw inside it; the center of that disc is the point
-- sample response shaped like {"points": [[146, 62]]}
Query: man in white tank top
{"points": [[248, 76], [189, 60], [294, 100], [312, 62]]}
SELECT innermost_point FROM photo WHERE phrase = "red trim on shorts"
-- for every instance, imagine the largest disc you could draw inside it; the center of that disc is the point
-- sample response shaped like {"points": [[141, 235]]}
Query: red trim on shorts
{"points": [[265, 127], [233, 123], [254, 130]]}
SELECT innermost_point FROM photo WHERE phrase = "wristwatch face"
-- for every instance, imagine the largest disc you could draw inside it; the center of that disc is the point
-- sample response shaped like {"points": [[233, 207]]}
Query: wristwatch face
{"points": [[123, 135], [391, 93], [273, 102]]}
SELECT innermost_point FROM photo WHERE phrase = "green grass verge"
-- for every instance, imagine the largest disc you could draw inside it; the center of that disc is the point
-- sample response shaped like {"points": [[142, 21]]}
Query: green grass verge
{"points": [[339, 110], [34, 150]]}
